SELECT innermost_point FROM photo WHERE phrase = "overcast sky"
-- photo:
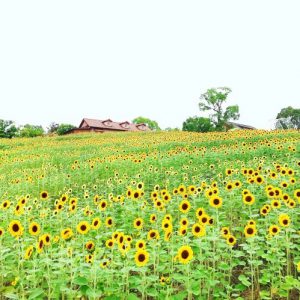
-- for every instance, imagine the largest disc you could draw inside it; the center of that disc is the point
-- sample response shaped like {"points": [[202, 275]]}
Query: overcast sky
{"points": [[65, 60]]}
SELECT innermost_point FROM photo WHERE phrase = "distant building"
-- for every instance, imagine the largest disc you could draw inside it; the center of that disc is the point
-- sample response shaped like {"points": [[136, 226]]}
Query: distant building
{"points": [[232, 125], [100, 126]]}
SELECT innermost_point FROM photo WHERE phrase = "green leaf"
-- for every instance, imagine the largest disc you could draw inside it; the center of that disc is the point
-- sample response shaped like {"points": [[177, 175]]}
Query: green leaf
{"points": [[80, 280], [132, 297], [36, 293]]}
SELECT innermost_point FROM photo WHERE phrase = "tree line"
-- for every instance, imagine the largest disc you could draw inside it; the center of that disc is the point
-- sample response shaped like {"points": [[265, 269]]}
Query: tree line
{"points": [[8, 129], [212, 101]]}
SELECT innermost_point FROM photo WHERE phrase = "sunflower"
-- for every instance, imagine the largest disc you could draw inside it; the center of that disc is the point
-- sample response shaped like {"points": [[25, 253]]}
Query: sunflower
{"points": [[120, 239], [136, 194], [15, 228], [231, 240], [167, 235], [264, 211], [153, 218], [89, 258], [66, 233], [250, 231], [104, 264], [108, 222], [44, 195], [153, 234], [204, 219], [96, 223], [215, 201], [46, 238], [184, 206], [40, 245], [34, 228], [166, 197], [102, 205], [297, 194], [138, 223], [259, 179], [140, 244], [166, 225], [182, 230], [184, 222], [154, 195], [158, 204], [90, 246], [284, 220], [5, 204], [274, 229], [229, 186], [28, 252], [275, 204], [83, 227], [225, 232], [185, 254], [199, 212], [248, 199], [198, 230], [291, 203], [1, 231], [182, 189], [109, 243], [251, 223], [141, 257]]}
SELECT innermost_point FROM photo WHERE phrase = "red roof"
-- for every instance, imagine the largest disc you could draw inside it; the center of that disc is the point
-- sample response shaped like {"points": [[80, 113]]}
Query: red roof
{"points": [[111, 125]]}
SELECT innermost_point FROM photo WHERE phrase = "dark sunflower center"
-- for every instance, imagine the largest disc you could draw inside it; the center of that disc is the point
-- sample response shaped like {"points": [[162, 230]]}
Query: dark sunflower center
{"points": [[83, 227], [197, 229], [152, 234], [274, 229], [44, 195], [96, 223], [34, 228], [184, 206], [248, 198], [15, 228], [141, 257], [185, 254], [285, 222], [138, 223], [250, 230], [216, 201]]}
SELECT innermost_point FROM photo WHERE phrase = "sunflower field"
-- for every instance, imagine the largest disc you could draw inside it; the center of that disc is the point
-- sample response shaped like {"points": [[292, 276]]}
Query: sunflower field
{"points": [[162, 215]]}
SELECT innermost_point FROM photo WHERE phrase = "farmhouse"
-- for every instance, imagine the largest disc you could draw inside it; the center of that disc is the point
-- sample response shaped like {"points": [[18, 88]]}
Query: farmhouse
{"points": [[100, 126]]}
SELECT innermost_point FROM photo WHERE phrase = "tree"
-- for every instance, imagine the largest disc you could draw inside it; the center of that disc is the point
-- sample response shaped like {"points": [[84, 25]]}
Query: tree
{"points": [[31, 131], [213, 101], [288, 118], [150, 123], [198, 124], [52, 127], [64, 128], [7, 129]]}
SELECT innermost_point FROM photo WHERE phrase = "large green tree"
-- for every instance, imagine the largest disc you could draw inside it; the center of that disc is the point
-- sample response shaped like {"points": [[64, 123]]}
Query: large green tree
{"points": [[153, 125], [7, 129], [31, 130], [64, 128], [197, 124], [213, 101], [288, 118]]}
